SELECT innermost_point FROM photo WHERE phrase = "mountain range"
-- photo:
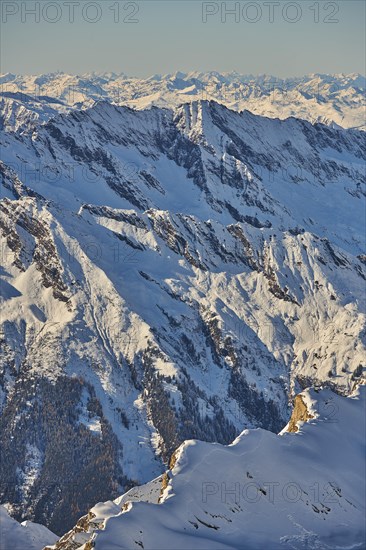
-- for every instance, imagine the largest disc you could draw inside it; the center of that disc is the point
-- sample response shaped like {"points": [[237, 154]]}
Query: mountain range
{"points": [[167, 274], [335, 100]]}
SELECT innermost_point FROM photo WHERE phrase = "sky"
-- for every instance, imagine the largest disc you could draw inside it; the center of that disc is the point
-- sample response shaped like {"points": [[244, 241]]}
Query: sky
{"points": [[142, 38]]}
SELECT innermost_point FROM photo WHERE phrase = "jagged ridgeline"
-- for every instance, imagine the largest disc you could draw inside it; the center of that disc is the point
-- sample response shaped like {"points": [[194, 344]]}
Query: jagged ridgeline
{"points": [[167, 275]]}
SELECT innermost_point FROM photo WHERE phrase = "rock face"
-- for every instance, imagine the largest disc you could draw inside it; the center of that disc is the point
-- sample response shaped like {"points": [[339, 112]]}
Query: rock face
{"points": [[302, 490], [300, 413], [167, 275]]}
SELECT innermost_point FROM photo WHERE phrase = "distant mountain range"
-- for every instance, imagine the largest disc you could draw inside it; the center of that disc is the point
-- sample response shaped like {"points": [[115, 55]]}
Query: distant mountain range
{"points": [[332, 99]]}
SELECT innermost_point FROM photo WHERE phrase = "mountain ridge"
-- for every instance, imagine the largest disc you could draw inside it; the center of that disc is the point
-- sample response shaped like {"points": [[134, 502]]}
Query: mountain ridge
{"points": [[222, 496]]}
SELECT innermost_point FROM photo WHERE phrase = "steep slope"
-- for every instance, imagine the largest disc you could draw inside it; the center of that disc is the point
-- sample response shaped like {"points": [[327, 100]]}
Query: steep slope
{"points": [[332, 99], [166, 276], [20, 536], [294, 490]]}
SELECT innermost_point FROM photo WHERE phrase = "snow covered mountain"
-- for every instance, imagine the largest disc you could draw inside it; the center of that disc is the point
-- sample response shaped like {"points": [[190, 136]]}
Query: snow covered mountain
{"points": [[291, 490], [27, 535], [331, 99], [167, 275]]}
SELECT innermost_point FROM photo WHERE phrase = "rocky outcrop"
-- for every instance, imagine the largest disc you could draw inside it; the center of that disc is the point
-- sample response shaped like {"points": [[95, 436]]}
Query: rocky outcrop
{"points": [[300, 413]]}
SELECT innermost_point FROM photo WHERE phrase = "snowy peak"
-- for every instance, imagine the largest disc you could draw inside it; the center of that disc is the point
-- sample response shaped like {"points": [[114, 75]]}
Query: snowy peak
{"points": [[25, 535]]}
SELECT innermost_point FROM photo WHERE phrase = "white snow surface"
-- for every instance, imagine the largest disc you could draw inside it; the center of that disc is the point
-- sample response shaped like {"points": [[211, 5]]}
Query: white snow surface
{"points": [[23, 536]]}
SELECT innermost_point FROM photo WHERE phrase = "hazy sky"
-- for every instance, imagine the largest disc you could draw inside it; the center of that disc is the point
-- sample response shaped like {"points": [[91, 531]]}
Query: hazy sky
{"points": [[146, 37]]}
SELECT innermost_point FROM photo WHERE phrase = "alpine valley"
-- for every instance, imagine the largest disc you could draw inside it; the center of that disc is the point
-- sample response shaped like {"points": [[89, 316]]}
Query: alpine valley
{"points": [[174, 269]]}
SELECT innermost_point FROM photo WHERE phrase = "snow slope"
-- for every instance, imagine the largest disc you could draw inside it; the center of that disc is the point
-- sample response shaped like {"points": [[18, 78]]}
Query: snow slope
{"points": [[27, 535], [300, 489]]}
